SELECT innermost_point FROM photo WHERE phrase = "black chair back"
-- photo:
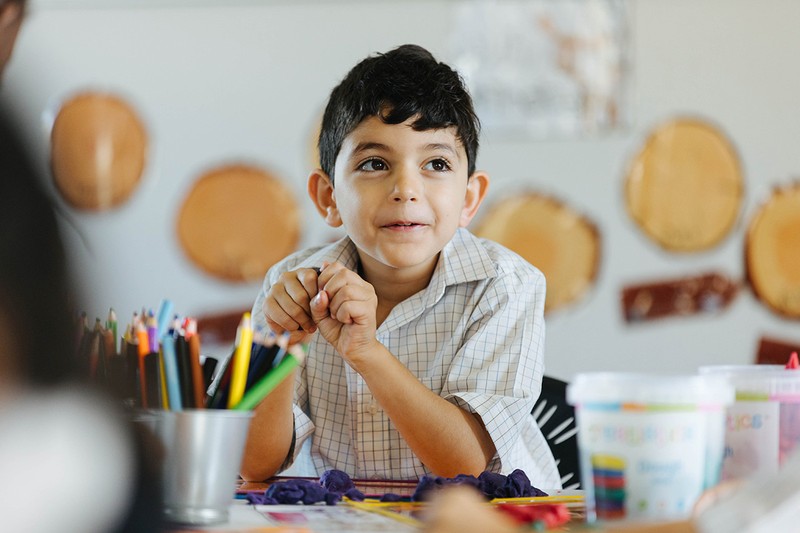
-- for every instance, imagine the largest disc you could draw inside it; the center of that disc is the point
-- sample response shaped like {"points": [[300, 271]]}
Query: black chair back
{"points": [[556, 418]]}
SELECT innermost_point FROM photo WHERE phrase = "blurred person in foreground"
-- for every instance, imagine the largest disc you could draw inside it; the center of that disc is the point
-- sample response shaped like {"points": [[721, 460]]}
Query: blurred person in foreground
{"points": [[69, 461], [11, 15]]}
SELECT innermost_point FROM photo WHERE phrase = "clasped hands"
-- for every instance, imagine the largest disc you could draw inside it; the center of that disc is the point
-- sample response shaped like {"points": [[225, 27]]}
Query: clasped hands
{"points": [[337, 302]]}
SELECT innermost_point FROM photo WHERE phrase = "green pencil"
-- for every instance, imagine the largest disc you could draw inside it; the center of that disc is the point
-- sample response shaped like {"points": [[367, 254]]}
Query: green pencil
{"points": [[267, 384]]}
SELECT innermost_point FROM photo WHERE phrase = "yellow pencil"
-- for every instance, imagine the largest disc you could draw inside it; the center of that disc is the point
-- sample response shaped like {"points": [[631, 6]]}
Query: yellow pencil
{"points": [[164, 394], [555, 498], [381, 511], [241, 360]]}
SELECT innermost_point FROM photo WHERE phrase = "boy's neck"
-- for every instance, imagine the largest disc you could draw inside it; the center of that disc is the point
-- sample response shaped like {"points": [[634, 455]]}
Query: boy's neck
{"points": [[393, 285]]}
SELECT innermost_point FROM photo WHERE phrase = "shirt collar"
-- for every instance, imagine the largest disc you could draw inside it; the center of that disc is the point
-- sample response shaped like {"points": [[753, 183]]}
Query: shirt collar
{"points": [[463, 259], [343, 251]]}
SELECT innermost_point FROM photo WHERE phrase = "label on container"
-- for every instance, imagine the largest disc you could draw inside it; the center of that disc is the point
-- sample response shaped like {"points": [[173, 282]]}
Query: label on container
{"points": [[751, 439], [648, 464]]}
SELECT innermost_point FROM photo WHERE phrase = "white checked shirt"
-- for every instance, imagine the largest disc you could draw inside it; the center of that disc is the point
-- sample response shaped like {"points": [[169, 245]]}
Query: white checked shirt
{"points": [[475, 336]]}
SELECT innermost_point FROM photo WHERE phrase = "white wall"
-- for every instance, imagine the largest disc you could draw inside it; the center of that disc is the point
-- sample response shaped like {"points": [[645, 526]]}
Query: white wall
{"points": [[216, 82]]}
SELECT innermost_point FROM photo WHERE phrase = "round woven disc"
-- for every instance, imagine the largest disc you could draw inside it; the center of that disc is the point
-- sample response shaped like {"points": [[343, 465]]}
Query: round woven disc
{"points": [[561, 243], [685, 187], [772, 252], [237, 221], [98, 151]]}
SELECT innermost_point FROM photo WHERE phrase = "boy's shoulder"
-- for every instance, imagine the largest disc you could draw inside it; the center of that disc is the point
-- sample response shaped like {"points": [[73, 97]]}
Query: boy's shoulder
{"points": [[485, 258]]}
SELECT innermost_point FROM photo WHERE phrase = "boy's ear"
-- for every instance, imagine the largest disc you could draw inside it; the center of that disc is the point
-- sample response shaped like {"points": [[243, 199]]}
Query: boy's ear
{"points": [[477, 186], [320, 190]]}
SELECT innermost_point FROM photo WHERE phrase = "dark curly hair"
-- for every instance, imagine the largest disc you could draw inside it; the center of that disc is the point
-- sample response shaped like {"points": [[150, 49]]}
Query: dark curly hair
{"points": [[395, 86]]}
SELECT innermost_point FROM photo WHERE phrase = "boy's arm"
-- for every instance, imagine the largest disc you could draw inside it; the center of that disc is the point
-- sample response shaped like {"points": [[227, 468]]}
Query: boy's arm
{"points": [[447, 439], [271, 432]]}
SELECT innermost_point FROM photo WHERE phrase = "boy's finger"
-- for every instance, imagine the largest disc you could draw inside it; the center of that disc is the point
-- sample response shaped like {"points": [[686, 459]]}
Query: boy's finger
{"points": [[286, 313], [308, 279], [319, 306], [278, 319], [329, 271], [297, 337], [354, 296], [274, 326]]}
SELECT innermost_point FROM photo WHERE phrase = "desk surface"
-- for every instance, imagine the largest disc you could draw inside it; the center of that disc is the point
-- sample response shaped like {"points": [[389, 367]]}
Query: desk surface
{"points": [[352, 517]]}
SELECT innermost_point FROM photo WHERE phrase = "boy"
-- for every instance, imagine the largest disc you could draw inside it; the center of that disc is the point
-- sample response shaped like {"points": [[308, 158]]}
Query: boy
{"points": [[425, 353]]}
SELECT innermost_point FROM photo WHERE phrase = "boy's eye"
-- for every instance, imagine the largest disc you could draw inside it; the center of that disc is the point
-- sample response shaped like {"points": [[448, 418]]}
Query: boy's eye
{"points": [[439, 165], [372, 165]]}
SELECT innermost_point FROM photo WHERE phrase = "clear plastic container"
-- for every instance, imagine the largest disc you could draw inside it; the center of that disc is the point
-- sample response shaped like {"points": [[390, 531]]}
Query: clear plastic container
{"points": [[762, 427], [649, 444]]}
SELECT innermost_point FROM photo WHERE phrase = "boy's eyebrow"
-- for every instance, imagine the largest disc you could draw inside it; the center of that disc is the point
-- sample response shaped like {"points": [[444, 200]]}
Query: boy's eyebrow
{"points": [[364, 146], [442, 146]]}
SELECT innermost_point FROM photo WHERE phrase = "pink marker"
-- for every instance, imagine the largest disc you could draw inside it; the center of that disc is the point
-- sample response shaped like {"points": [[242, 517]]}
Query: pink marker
{"points": [[793, 364]]}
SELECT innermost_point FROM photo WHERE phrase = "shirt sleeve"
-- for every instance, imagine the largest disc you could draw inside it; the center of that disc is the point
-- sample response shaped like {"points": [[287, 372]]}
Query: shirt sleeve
{"points": [[497, 372], [257, 313]]}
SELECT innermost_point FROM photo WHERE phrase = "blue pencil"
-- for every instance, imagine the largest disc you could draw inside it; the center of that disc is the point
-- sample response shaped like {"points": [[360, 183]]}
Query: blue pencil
{"points": [[171, 372]]}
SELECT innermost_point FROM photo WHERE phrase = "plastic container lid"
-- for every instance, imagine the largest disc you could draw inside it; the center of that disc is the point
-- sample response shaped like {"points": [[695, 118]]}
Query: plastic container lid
{"points": [[649, 389], [770, 380]]}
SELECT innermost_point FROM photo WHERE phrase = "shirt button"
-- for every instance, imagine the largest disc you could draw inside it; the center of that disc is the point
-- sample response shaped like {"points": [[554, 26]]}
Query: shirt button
{"points": [[376, 477], [373, 408]]}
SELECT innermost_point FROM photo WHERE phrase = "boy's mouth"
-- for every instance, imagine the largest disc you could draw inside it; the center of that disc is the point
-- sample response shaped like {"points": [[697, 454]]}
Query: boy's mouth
{"points": [[401, 225]]}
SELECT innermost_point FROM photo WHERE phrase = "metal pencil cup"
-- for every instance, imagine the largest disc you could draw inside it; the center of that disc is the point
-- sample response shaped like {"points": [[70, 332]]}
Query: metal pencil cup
{"points": [[203, 451]]}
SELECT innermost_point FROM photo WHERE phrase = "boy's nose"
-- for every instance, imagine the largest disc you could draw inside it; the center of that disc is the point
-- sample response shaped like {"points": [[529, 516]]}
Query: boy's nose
{"points": [[406, 187]]}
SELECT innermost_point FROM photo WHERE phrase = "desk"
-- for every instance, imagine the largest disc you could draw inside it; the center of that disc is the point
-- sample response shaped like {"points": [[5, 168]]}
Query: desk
{"points": [[372, 517]]}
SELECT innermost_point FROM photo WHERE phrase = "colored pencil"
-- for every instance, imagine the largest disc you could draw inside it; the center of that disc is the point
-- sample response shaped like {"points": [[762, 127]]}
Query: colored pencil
{"points": [[267, 384], [143, 348], [383, 512], [172, 375], [241, 360], [184, 371], [164, 316], [198, 388], [111, 325]]}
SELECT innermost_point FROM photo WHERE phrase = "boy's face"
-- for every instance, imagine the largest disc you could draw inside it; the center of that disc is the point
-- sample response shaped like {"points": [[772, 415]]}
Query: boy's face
{"points": [[401, 194]]}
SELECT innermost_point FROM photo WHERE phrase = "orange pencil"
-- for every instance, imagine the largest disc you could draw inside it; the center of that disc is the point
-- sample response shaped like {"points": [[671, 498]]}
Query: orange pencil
{"points": [[143, 345], [193, 338]]}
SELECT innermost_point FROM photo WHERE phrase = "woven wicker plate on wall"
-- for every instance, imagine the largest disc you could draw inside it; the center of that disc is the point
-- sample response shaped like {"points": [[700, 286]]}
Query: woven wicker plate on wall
{"points": [[237, 221], [561, 243], [98, 150], [684, 188], [772, 252]]}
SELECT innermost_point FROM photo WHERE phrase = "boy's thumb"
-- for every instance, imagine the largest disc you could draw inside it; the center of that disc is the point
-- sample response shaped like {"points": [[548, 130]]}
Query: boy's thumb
{"points": [[319, 306]]}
